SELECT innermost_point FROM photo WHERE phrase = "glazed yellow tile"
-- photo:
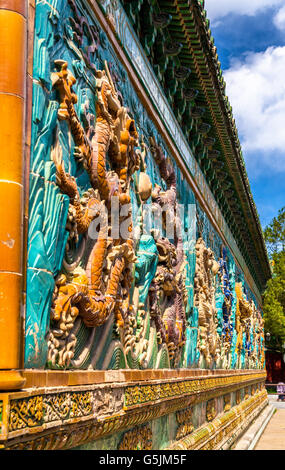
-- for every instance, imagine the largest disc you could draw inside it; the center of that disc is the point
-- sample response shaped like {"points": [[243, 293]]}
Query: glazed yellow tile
{"points": [[11, 137], [10, 227], [12, 53], [10, 305]]}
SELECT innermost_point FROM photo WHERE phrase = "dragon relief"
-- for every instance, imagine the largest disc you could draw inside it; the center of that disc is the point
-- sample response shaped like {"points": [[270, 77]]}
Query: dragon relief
{"points": [[227, 328], [256, 350], [249, 327], [98, 282], [167, 294], [260, 340], [97, 276], [243, 314], [204, 299]]}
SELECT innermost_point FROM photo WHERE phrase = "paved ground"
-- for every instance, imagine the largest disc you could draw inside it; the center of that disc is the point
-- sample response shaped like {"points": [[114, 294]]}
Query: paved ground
{"points": [[277, 404], [273, 437]]}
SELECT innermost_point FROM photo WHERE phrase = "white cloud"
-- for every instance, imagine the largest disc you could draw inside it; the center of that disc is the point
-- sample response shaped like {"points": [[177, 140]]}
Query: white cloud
{"points": [[279, 19], [220, 8], [256, 89]]}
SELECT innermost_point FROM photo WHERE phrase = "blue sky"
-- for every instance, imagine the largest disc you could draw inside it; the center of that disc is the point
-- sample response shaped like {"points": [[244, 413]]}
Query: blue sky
{"points": [[250, 38]]}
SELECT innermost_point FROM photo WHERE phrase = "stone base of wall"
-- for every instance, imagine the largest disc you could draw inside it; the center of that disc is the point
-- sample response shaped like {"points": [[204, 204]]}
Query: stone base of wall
{"points": [[153, 410]]}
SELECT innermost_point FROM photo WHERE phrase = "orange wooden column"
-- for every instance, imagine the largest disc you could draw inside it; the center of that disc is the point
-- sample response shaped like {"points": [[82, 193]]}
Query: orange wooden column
{"points": [[13, 40]]}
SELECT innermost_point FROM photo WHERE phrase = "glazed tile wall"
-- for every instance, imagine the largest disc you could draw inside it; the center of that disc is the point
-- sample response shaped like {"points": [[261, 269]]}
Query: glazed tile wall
{"points": [[60, 34]]}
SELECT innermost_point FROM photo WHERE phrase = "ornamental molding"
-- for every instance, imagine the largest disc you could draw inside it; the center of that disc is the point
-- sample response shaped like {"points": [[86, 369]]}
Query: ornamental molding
{"points": [[221, 432], [138, 394], [62, 417]]}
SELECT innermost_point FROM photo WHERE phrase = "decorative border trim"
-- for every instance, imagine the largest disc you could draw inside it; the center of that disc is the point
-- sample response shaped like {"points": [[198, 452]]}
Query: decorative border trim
{"points": [[136, 395], [37, 378], [102, 409], [224, 430]]}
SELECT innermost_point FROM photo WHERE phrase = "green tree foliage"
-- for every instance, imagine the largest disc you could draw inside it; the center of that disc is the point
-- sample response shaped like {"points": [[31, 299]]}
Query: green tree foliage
{"points": [[274, 297], [274, 234]]}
